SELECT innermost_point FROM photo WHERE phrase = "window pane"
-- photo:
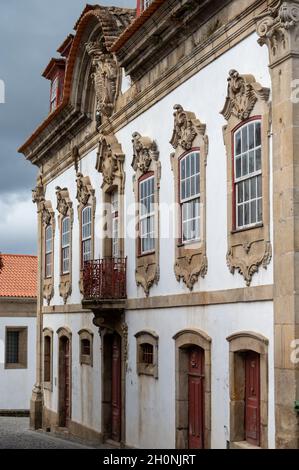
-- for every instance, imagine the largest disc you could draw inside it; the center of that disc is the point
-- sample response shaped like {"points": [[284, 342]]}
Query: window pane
{"points": [[238, 167], [260, 210], [244, 165], [251, 136], [259, 186], [251, 162], [183, 168], [257, 134], [12, 347], [246, 214], [238, 143], [246, 190], [253, 182], [245, 139], [240, 216], [240, 190], [258, 159]]}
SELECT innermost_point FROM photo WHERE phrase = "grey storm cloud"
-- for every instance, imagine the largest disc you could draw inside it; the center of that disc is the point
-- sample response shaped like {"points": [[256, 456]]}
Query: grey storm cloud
{"points": [[30, 33]]}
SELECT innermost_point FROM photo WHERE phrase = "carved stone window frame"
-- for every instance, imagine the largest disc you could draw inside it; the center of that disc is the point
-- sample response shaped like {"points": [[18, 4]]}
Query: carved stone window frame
{"points": [[189, 135], [48, 332], [48, 218], [147, 337], [86, 334], [65, 209], [248, 248], [110, 163], [146, 164], [86, 198], [183, 341], [239, 343]]}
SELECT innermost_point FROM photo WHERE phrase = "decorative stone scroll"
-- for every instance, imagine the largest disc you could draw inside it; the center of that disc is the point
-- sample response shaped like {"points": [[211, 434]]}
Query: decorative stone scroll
{"points": [[248, 249], [146, 161], [189, 134], [105, 77], [278, 28], [110, 162]]}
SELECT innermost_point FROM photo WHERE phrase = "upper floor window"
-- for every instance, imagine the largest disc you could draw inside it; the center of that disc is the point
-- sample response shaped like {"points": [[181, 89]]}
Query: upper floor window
{"points": [[147, 214], [190, 197], [54, 94], [115, 224], [248, 175], [48, 251], [65, 245], [86, 234]]}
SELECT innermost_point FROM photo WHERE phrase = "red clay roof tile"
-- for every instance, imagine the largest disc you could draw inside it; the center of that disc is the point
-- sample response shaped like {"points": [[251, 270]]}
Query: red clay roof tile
{"points": [[18, 277]]}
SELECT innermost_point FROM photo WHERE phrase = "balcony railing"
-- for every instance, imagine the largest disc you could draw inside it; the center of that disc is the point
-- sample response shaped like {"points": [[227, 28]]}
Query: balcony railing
{"points": [[105, 279]]}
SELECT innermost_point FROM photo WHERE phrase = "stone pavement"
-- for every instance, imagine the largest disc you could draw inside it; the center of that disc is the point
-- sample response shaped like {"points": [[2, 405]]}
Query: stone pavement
{"points": [[15, 434]]}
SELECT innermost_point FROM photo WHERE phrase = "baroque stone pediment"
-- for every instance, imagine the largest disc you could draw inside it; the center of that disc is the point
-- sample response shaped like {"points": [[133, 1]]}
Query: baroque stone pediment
{"points": [[47, 212], [145, 151], [110, 161], [84, 189], [242, 95], [186, 128], [64, 204], [247, 259], [105, 77]]}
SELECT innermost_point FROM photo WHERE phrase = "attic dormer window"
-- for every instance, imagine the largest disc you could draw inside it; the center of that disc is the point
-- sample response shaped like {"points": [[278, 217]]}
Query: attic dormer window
{"points": [[54, 94]]}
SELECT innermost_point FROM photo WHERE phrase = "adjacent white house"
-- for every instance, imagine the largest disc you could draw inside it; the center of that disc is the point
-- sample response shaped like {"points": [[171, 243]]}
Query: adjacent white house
{"points": [[18, 291]]}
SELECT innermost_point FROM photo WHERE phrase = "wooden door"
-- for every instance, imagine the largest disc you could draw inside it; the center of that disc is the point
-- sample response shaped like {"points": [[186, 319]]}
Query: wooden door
{"points": [[64, 383], [196, 398], [252, 398], [116, 388]]}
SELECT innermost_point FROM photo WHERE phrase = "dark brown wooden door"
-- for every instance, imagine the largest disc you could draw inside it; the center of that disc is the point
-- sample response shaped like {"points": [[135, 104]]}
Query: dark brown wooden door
{"points": [[196, 398], [252, 398], [116, 388], [64, 383]]}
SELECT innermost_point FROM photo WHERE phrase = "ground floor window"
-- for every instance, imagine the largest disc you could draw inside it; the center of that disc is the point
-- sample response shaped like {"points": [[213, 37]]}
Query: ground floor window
{"points": [[16, 348]]}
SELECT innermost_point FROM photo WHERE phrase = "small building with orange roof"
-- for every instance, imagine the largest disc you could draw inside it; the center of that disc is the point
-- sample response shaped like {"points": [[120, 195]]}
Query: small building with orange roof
{"points": [[18, 297]]}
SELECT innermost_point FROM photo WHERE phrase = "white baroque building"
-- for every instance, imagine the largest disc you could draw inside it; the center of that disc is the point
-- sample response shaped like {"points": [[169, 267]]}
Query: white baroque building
{"points": [[167, 311]]}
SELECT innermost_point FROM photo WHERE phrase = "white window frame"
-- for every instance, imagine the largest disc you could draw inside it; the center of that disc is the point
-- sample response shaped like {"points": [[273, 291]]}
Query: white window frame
{"points": [[54, 92], [86, 234], [48, 251], [188, 198], [248, 180], [65, 245], [115, 224], [147, 217]]}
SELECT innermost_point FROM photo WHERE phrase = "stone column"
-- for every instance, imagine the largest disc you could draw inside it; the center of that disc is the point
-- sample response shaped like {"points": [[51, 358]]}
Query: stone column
{"points": [[36, 403], [278, 28]]}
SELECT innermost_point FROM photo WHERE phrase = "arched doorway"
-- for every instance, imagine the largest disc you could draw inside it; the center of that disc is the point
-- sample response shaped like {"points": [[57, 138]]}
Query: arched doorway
{"points": [[193, 390], [64, 400], [112, 391]]}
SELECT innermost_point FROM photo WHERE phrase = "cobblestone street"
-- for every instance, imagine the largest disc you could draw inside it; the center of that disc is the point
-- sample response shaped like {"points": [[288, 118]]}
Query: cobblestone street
{"points": [[15, 434]]}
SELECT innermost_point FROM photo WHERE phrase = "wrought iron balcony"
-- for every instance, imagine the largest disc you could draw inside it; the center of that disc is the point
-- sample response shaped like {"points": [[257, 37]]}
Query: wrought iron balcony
{"points": [[104, 280]]}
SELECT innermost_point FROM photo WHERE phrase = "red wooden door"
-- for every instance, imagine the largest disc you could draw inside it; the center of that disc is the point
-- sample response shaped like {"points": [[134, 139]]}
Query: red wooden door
{"points": [[116, 388], [252, 398], [196, 398], [65, 385]]}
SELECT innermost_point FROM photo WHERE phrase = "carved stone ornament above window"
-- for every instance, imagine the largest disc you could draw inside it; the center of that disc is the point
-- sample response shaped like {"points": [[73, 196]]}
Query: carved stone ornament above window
{"points": [[249, 247], [84, 189], [145, 152], [243, 93], [146, 160], [278, 28], [65, 208], [189, 136], [105, 77], [186, 128], [110, 162]]}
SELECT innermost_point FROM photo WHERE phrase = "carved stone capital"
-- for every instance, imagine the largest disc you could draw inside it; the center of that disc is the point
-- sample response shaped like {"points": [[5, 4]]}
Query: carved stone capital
{"points": [[105, 77], [242, 94], [147, 273], [247, 258], [47, 212], [84, 189], [64, 204], [48, 291], [145, 151], [65, 288], [38, 193], [278, 28], [110, 162], [186, 128]]}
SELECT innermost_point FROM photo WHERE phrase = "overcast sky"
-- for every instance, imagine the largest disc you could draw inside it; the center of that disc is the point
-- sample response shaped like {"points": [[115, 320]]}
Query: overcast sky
{"points": [[30, 33]]}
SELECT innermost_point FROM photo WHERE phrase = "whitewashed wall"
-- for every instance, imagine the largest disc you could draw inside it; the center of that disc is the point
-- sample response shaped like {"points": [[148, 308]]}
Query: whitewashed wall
{"points": [[16, 385], [151, 403], [86, 382]]}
